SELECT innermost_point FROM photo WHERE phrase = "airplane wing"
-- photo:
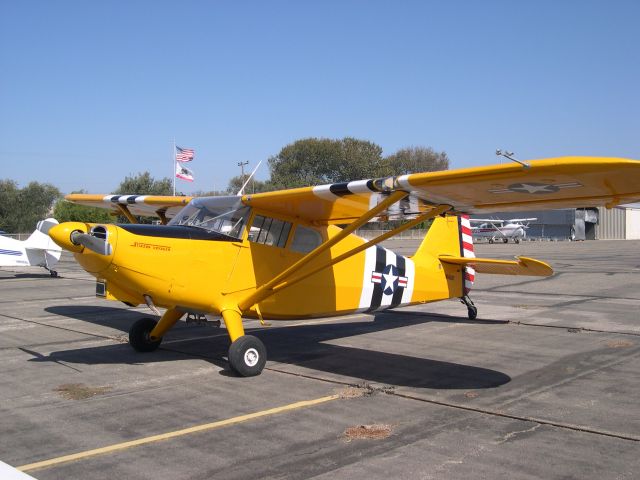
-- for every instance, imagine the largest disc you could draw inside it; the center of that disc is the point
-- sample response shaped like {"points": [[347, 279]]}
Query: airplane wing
{"points": [[523, 265], [550, 183], [486, 220], [144, 205]]}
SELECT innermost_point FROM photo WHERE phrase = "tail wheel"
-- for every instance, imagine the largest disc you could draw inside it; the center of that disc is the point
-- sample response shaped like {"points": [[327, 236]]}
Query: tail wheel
{"points": [[139, 335], [247, 356]]}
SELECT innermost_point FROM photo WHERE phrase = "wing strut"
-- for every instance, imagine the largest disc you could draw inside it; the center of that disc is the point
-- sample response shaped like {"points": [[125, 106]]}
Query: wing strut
{"points": [[125, 211], [267, 289]]}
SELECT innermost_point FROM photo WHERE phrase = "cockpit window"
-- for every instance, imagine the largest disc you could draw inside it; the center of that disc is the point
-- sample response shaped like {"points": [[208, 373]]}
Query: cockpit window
{"points": [[226, 215]]}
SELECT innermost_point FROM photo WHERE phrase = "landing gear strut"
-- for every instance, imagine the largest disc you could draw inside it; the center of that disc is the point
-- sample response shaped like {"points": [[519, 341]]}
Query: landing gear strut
{"points": [[472, 310]]}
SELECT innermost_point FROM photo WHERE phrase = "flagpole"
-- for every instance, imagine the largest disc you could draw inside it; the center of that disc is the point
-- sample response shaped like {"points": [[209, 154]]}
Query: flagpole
{"points": [[173, 166]]}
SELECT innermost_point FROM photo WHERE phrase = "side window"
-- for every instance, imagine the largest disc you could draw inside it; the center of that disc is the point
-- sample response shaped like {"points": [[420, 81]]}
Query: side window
{"points": [[305, 239], [269, 231]]}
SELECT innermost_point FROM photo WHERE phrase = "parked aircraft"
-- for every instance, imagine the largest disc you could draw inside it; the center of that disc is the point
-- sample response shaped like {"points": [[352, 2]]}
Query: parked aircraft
{"points": [[504, 230], [38, 250], [281, 255]]}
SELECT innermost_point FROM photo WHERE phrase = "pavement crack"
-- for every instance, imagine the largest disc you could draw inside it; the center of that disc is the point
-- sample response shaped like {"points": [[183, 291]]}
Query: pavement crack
{"points": [[509, 436]]}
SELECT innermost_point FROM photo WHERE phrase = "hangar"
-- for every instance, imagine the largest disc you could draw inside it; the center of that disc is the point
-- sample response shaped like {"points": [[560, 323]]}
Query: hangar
{"points": [[597, 223]]}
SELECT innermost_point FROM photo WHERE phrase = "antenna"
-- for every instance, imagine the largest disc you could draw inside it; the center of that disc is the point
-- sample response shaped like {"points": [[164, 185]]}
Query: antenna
{"points": [[241, 191], [509, 155]]}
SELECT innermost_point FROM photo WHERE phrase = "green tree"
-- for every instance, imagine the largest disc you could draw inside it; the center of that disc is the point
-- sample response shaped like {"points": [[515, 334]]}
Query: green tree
{"points": [[416, 159], [314, 161], [22, 208], [145, 184], [8, 200], [254, 186], [65, 211]]}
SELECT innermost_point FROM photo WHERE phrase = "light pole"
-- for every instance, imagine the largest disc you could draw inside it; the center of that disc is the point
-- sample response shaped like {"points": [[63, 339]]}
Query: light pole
{"points": [[241, 165]]}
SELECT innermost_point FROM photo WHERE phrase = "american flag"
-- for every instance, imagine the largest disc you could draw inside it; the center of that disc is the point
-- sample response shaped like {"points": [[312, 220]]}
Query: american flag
{"points": [[184, 154]]}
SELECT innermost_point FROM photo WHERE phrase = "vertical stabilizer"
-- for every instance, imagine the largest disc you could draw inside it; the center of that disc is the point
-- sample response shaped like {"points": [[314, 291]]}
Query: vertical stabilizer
{"points": [[449, 235]]}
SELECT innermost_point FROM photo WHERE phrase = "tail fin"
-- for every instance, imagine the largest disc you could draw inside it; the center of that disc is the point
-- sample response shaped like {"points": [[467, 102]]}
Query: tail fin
{"points": [[40, 240], [450, 235]]}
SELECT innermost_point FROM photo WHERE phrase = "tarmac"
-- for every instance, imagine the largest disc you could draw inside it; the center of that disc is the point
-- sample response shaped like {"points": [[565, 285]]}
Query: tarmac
{"points": [[543, 384]]}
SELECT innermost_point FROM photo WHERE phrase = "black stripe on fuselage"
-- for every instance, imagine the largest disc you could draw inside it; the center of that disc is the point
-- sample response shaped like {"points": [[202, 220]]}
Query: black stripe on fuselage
{"points": [[397, 294], [381, 262], [175, 231]]}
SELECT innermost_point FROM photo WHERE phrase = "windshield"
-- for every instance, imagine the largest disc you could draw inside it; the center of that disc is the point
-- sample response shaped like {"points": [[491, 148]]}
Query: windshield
{"points": [[226, 215]]}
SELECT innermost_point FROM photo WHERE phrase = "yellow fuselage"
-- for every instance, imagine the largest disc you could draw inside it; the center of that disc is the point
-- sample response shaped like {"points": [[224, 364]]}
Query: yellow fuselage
{"points": [[208, 276]]}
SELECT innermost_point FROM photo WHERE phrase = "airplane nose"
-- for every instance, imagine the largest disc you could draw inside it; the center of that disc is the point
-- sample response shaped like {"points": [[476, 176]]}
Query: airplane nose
{"points": [[61, 234], [93, 245]]}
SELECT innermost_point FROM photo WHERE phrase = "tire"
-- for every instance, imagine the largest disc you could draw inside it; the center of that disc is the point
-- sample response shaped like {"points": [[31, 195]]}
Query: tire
{"points": [[505, 240], [247, 356], [472, 312], [139, 335], [516, 240], [491, 240]]}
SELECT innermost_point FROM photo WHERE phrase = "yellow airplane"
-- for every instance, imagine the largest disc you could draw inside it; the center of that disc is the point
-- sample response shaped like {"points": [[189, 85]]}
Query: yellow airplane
{"points": [[281, 255]]}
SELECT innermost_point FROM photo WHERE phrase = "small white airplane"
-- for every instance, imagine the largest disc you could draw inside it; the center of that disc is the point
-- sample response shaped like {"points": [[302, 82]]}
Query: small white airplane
{"points": [[504, 230], [36, 251]]}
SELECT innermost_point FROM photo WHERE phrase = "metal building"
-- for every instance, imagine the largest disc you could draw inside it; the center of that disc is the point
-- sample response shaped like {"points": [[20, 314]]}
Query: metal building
{"points": [[581, 223]]}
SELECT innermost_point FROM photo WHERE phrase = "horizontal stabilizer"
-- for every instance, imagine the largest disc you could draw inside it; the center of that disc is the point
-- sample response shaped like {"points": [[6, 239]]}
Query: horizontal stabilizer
{"points": [[521, 266]]}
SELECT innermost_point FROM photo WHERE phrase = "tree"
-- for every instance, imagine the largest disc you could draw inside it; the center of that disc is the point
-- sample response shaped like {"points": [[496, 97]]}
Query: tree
{"points": [[22, 208], [254, 186], [8, 199], [65, 211], [145, 184], [416, 159], [314, 161]]}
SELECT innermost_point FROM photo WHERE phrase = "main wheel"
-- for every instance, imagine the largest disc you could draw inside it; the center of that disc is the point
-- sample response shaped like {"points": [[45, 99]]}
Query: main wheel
{"points": [[505, 240], [491, 240], [472, 312], [247, 356], [516, 240], [139, 335]]}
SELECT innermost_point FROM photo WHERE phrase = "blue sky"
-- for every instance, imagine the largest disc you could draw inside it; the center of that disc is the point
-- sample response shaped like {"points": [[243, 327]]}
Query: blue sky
{"points": [[93, 91]]}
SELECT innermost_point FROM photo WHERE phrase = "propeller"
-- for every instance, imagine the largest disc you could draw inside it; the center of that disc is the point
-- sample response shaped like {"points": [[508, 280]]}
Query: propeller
{"points": [[92, 243]]}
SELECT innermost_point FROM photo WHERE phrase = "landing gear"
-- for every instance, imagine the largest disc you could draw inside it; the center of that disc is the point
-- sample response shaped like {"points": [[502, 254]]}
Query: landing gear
{"points": [[472, 310], [140, 338], [516, 240], [53, 273], [505, 240], [491, 240], [247, 356]]}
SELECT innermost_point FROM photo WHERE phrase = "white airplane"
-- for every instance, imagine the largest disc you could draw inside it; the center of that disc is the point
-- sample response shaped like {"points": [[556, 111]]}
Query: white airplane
{"points": [[36, 251], [504, 230]]}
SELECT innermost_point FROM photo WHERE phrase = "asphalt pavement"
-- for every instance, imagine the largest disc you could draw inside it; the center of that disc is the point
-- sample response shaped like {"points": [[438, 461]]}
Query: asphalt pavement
{"points": [[543, 384]]}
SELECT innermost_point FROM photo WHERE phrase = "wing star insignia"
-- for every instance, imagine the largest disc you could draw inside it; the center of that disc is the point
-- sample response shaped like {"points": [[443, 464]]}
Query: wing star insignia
{"points": [[535, 188]]}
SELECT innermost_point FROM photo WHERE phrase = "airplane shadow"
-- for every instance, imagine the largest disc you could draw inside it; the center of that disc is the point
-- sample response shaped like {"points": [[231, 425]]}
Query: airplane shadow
{"points": [[26, 275], [303, 345]]}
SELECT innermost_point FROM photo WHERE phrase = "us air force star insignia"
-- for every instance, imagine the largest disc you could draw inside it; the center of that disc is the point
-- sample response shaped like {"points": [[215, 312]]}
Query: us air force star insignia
{"points": [[389, 279], [535, 188]]}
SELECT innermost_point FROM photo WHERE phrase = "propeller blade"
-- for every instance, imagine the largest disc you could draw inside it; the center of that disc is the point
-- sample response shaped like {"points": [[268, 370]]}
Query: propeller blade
{"points": [[92, 243]]}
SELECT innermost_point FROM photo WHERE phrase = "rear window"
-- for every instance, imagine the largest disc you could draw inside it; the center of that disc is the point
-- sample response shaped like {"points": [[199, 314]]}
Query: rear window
{"points": [[305, 239]]}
